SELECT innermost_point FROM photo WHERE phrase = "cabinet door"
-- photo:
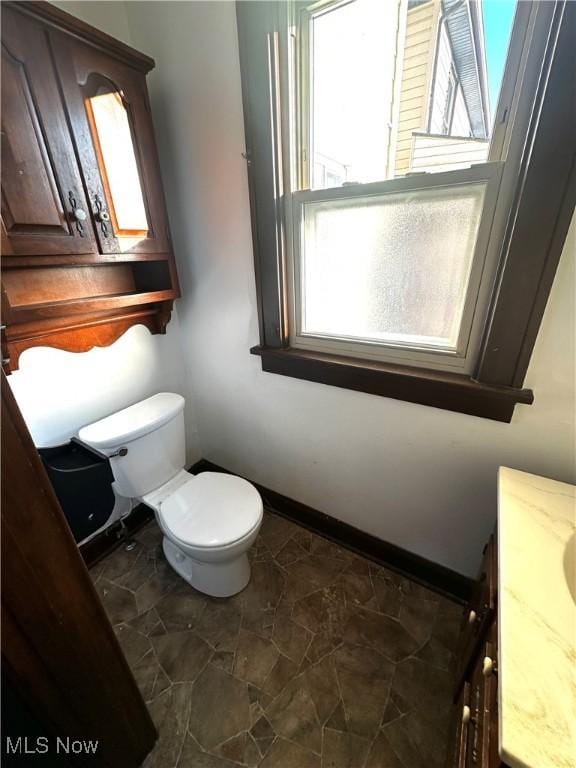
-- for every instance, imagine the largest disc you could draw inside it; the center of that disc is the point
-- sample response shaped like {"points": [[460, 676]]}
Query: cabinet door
{"points": [[458, 743], [107, 103], [44, 210], [482, 748], [480, 613]]}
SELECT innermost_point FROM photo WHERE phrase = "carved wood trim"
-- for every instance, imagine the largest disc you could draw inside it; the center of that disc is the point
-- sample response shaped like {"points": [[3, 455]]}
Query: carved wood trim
{"points": [[87, 331]]}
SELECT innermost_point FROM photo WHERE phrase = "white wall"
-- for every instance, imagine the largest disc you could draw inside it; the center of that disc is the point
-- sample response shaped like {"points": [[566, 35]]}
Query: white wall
{"points": [[58, 392], [422, 478], [108, 15]]}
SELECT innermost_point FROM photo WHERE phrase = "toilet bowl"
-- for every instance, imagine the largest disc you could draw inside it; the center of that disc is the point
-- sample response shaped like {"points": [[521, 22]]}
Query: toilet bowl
{"points": [[209, 521]]}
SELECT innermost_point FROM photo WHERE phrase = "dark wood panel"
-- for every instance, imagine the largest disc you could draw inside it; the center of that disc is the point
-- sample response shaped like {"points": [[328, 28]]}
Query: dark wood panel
{"points": [[257, 22], [432, 575], [60, 650], [541, 215], [44, 706], [25, 287], [31, 198], [41, 185], [449, 391]]}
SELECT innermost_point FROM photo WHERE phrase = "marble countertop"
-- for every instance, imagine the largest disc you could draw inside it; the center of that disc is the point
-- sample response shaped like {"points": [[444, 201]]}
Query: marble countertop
{"points": [[537, 621]]}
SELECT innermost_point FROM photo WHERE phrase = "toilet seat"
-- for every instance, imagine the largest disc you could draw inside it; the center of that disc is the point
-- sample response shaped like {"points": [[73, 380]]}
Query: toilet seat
{"points": [[212, 510]]}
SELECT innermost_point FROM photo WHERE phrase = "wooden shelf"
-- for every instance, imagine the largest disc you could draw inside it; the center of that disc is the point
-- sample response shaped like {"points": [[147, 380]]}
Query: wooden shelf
{"points": [[86, 259], [28, 312]]}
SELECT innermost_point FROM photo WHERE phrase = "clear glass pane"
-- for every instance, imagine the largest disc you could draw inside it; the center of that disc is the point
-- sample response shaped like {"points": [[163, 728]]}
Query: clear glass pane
{"points": [[118, 167], [390, 268], [403, 87], [352, 60]]}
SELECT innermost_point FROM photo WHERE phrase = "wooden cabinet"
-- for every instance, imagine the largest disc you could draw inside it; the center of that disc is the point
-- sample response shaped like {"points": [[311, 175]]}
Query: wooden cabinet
{"points": [[86, 243], [41, 181], [474, 736], [107, 104]]}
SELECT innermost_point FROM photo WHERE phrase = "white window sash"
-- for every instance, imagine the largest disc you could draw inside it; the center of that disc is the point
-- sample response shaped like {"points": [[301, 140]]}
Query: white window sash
{"points": [[401, 352]]}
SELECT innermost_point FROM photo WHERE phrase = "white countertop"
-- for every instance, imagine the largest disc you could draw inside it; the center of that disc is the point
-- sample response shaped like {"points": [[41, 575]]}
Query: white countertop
{"points": [[537, 621]]}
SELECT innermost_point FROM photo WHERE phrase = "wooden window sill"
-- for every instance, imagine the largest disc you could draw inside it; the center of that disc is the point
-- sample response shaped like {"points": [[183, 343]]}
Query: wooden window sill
{"points": [[438, 389]]}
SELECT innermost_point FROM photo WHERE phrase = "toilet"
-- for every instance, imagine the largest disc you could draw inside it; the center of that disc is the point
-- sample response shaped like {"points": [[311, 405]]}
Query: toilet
{"points": [[209, 521]]}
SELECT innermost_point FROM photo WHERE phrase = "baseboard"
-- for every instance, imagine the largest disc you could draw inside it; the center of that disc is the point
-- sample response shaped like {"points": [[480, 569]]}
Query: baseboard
{"points": [[432, 575], [107, 541]]}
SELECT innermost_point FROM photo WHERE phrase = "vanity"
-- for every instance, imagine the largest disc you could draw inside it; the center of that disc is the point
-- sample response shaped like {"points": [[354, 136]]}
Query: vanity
{"points": [[515, 702]]}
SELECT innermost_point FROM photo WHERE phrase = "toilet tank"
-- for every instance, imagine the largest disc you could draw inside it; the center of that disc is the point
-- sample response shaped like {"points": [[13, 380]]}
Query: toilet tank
{"points": [[152, 432]]}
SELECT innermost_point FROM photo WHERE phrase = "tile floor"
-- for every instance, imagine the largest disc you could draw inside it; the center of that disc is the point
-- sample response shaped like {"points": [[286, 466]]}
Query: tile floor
{"points": [[324, 661]]}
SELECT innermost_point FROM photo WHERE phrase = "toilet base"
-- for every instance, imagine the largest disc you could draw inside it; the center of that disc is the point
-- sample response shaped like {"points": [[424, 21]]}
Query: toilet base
{"points": [[217, 579]]}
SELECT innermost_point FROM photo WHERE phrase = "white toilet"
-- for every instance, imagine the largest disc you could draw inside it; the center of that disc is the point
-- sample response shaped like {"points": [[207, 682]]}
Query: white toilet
{"points": [[209, 520]]}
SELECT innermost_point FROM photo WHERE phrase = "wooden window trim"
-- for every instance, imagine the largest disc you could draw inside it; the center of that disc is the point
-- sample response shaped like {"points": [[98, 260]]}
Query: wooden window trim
{"points": [[534, 239], [440, 389]]}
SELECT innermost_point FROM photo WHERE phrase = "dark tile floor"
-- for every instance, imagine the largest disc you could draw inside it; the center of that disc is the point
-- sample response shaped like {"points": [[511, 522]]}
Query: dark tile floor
{"points": [[325, 660]]}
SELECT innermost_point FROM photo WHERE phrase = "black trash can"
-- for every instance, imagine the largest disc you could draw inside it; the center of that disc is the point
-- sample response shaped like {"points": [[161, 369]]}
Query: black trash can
{"points": [[82, 480]]}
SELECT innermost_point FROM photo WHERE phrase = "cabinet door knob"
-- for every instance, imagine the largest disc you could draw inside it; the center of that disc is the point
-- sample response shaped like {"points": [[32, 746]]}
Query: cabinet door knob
{"points": [[472, 617], [488, 666], [466, 714], [77, 214], [101, 214]]}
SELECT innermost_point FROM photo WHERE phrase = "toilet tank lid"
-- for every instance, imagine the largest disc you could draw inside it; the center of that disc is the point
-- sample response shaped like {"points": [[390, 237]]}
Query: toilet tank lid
{"points": [[132, 422]]}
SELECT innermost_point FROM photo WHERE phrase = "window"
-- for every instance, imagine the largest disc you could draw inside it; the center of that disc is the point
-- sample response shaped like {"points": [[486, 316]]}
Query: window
{"points": [[390, 256], [388, 183]]}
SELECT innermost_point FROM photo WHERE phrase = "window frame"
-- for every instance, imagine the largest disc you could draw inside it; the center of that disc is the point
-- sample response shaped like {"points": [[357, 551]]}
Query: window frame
{"points": [[448, 116], [544, 193]]}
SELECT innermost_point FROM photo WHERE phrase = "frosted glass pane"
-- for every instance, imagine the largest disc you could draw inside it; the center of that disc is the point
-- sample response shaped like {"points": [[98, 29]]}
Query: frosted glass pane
{"points": [[392, 268]]}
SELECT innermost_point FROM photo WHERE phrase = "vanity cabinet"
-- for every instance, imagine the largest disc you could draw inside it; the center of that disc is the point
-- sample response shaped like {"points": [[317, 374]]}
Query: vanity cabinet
{"points": [[474, 733], [479, 614], [85, 238]]}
